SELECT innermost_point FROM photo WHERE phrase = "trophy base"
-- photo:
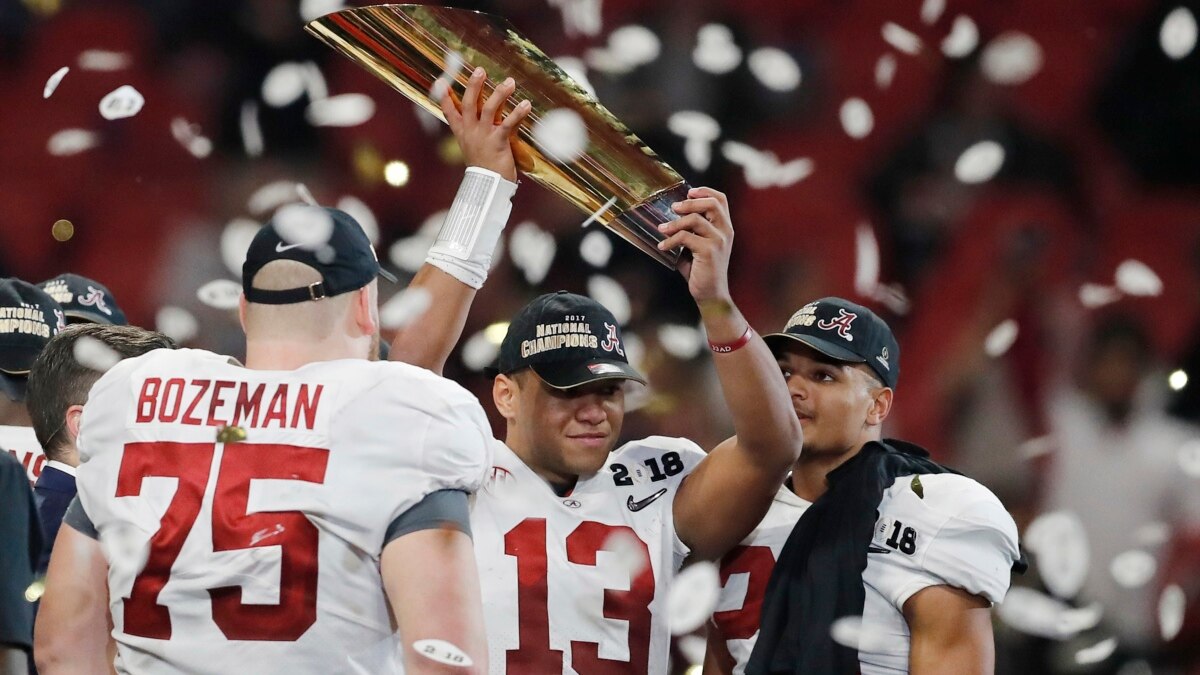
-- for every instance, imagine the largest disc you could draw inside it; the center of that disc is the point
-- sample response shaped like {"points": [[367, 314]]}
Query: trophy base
{"points": [[639, 225]]}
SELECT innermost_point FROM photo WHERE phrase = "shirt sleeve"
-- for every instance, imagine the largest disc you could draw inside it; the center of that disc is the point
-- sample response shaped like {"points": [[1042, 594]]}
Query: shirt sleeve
{"points": [[458, 445], [78, 519], [444, 508]]}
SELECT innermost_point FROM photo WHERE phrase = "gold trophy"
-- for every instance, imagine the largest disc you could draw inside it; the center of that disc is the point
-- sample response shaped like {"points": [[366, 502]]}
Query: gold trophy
{"points": [[617, 178]]}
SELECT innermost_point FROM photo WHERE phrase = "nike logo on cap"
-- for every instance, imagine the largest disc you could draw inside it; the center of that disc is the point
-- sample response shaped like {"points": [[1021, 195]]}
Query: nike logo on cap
{"points": [[645, 501], [280, 248]]}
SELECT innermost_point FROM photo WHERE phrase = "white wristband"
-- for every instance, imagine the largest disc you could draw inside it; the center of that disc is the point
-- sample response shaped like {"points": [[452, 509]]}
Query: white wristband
{"points": [[468, 237]]}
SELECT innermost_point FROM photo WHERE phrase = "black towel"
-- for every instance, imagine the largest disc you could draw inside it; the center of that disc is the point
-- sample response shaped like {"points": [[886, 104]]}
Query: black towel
{"points": [[818, 577]]}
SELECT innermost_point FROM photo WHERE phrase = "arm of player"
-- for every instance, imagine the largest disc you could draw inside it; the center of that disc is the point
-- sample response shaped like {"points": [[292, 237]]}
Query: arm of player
{"points": [[739, 477], [951, 632], [453, 279], [433, 587], [72, 631], [717, 659]]}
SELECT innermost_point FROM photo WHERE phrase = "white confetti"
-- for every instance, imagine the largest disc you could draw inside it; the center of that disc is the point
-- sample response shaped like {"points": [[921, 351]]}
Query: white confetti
{"points": [[1036, 447], [576, 69], [762, 168], [315, 9], [694, 594], [856, 117], [693, 648], [1061, 546], [893, 297], [596, 248], [638, 45], [1152, 534], [94, 354], [979, 163], [220, 294], [1136, 278], [69, 142], [1177, 380], [188, 135], [284, 84], [305, 195], [479, 351], [1133, 569], [252, 136], [885, 71], [235, 241], [848, 631], [1189, 458], [715, 51], [629, 552], [176, 323], [579, 16], [272, 196], [1095, 295], [314, 82], [362, 214], [1171, 609], [963, 38], [775, 68], [409, 253], [1011, 58], [599, 212], [931, 11], [605, 61], [54, 81], [1038, 614], [122, 102], [1097, 652], [700, 130], [682, 342], [607, 292], [532, 250], [901, 38], [303, 225], [561, 134], [404, 308], [1001, 338], [343, 110], [1177, 36], [103, 60], [442, 652], [866, 260]]}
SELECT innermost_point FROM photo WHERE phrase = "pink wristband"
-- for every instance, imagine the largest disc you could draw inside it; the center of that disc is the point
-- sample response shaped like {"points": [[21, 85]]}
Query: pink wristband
{"points": [[727, 347]]}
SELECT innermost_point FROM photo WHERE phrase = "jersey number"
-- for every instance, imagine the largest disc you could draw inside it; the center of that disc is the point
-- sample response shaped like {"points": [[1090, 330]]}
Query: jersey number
{"points": [[232, 529], [756, 562], [903, 538], [672, 464], [527, 543]]}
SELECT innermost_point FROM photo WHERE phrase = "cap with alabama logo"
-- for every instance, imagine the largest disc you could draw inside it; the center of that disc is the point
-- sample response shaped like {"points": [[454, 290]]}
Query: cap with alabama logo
{"points": [[845, 331], [568, 340], [28, 319], [84, 300]]}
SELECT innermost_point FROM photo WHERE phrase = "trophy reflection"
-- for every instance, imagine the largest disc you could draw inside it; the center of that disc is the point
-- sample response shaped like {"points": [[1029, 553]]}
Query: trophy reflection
{"points": [[617, 177]]}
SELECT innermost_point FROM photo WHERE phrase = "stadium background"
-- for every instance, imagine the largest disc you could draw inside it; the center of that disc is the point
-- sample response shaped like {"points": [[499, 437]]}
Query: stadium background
{"points": [[996, 196]]}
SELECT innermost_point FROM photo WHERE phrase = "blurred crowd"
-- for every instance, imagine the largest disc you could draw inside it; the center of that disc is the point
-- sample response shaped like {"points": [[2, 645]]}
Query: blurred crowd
{"points": [[1012, 184]]}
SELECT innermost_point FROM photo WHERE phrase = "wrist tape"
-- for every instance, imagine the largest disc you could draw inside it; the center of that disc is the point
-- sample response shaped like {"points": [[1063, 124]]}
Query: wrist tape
{"points": [[468, 237]]}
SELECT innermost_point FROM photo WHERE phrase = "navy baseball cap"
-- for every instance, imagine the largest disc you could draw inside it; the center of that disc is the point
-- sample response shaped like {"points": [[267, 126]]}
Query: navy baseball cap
{"points": [[346, 260], [28, 319], [568, 340], [844, 331], [84, 300]]}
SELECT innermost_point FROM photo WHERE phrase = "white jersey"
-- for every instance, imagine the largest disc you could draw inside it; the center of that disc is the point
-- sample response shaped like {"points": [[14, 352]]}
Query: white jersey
{"points": [[22, 443], [263, 555], [578, 584], [949, 531]]}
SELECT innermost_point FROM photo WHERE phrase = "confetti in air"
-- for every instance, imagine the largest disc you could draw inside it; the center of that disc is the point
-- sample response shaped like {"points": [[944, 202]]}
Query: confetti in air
{"points": [[235, 240], [775, 68], [315, 9], [302, 225], [1060, 543], [1177, 36], [272, 196], [637, 44], [71, 142], [599, 212], [479, 351], [176, 323], [35, 590], [1001, 338], [682, 342], [629, 551], [763, 169], [284, 84], [694, 594], [122, 102], [442, 652], [55, 80], [580, 17], [561, 134], [344, 110], [1035, 613], [715, 50], [532, 251], [885, 71], [1152, 534], [856, 117], [1011, 58], [305, 195], [62, 230], [220, 294], [699, 130], [1189, 459], [404, 308], [231, 434], [103, 60], [251, 131], [693, 648], [94, 354], [362, 214], [849, 631], [963, 38], [931, 11], [596, 248], [606, 291], [979, 163], [1095, 295], [1171, 606], [314, 82], [866, 260], [409, 253], [1135, 278], [901, 38], [1097, 652], [1133, 569], [188, 135]]}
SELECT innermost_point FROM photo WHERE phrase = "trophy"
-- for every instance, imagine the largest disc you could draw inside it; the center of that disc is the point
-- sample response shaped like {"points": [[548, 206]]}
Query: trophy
{"points": [[617, 179]]}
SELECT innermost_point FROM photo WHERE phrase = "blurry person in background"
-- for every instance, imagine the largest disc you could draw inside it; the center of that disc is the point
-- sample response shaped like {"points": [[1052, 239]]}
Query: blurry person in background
{"points": [[84, 300], [1118, 466], [28, 319]]}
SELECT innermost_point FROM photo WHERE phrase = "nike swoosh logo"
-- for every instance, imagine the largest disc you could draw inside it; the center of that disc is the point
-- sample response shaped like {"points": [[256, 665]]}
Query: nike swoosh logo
{"points": [[645, 501], [280, 248], [872, 548]]}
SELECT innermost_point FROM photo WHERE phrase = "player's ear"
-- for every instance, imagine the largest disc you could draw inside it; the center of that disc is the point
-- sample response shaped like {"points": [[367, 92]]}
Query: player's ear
{"points": [[71, 421], [366, 314], [504, 395], [881, 405]]}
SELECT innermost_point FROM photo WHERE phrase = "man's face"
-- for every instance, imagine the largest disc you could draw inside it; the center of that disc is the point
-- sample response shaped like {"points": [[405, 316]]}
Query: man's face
{"points": [[832, 399], [571, 432]]}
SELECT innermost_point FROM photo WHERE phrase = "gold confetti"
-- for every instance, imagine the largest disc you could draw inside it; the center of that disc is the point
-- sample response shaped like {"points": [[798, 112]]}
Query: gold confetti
{"points": [[36, 590], [231, 434], [917, 487], [62, 230]]}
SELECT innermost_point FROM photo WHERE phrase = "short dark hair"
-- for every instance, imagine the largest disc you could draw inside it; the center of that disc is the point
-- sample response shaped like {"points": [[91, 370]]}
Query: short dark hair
{"points": [[57, 381]]}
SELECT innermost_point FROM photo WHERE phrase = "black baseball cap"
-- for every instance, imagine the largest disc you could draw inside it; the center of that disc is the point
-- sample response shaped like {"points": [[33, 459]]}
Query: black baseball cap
{"points": [[568, 340], [844, 331], [346, 261], [84, 300], [28, 319]]}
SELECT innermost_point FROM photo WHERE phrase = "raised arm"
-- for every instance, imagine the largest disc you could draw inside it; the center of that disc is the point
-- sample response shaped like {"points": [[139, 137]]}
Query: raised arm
{"points": [[740, 476], [459, 260], [951, 633], [72, 633]]}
